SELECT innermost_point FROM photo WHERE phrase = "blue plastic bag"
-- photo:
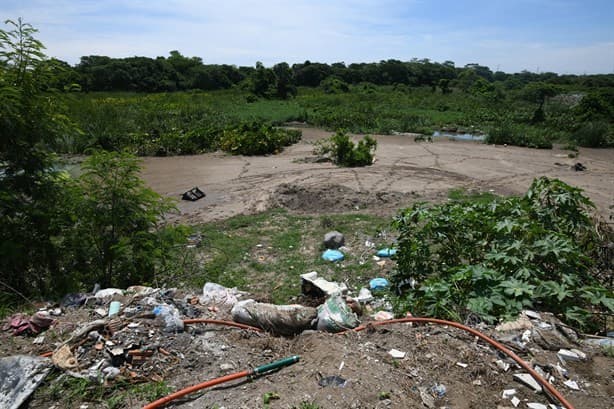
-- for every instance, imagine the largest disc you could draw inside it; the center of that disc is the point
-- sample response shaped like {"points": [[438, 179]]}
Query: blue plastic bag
{"points": [[332, 255], [379, 284]]}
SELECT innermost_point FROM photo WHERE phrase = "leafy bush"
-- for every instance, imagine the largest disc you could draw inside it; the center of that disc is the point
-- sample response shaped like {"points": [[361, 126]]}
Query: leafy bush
{"points": [[493, 258], [512, 134], [342, 151], [118, 240], [257, 138], [332, 85], [593, 135]]}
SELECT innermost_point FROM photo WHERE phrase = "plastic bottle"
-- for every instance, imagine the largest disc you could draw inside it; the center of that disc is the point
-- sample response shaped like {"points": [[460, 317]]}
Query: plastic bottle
{"points": [[172, 319]]}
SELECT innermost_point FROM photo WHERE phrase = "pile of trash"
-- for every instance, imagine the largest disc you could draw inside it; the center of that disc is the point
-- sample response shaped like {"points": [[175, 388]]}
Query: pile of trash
{"points": [[135, 334]]}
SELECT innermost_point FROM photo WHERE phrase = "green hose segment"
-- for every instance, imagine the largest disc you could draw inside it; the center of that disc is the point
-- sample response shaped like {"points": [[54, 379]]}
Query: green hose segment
{"points": [[276, 365]]}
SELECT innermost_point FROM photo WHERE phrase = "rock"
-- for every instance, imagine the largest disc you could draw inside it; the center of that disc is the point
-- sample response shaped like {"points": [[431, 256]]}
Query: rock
{"points": [[333, 240], [528, 380], [227, 367]]}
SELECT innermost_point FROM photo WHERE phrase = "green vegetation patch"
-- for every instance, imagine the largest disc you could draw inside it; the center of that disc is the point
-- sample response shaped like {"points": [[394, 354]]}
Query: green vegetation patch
{"points": [[266, 253], [493, 258]]}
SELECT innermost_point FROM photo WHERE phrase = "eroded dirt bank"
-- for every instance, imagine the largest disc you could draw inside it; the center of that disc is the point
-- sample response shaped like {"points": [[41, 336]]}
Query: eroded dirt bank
{"points": [[404, 171]]}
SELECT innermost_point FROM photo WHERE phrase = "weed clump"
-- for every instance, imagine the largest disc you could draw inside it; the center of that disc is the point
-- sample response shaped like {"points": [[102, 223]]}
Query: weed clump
{"points": [[343, 152], [257, 138]]}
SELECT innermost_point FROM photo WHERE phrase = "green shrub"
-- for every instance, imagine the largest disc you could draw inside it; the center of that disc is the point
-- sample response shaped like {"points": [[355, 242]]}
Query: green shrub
{"points": [[341, 150], [512, 134], [257, 138], [332, 85], [593, 135], [496, 257]]}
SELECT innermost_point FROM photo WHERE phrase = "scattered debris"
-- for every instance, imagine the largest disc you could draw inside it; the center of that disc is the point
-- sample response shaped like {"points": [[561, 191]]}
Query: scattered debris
{"points": [[462, 364], [364, 296], [386, 252], [568, 355], [508, 393], [528, 380], [21, 324], [333, 240], [64, 358], [578, 167], [193, 194], [439, 390], [217, 294], [383, 316], [572, 385], [396, 354], [316, 286], [20, 375], [427, 399], [333, 381], [515, 401]]}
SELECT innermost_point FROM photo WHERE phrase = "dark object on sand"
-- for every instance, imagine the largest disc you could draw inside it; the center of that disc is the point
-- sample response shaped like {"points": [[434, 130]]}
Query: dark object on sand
{"points": [[193, 194]]}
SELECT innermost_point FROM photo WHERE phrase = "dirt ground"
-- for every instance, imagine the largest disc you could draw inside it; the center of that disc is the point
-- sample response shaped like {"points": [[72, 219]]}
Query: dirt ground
{"points": [[404, 171]]}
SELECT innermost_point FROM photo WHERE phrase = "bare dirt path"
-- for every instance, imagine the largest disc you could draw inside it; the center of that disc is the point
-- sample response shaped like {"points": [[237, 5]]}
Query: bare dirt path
{"points": [[404, 171]]}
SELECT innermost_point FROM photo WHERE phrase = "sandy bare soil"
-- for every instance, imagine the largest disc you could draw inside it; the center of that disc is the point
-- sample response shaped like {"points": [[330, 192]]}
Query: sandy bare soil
{"points": [[404, 171]]}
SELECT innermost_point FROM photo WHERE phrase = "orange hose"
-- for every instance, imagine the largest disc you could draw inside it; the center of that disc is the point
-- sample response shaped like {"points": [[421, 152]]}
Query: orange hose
{"points": [[483, 337], [194, 388], [220, 322]]}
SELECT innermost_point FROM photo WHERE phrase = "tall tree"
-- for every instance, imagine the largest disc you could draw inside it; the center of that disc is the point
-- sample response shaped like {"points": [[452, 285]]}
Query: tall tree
{"points": [[30, 190]]}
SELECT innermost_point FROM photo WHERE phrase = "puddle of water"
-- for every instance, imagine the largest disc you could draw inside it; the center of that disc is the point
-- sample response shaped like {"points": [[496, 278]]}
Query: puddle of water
{"points": [[459, 136]]}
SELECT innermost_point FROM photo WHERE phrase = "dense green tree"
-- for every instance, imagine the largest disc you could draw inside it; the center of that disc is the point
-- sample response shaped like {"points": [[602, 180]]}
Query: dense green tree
{"points": [[539, 92], [284, 80], [31, 119]]}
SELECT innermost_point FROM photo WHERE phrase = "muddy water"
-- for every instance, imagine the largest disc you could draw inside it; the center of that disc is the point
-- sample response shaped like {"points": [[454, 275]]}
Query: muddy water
{"points": [[404, 171]]}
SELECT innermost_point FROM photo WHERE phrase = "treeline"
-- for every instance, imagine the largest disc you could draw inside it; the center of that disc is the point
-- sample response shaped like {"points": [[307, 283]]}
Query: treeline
{"points": [[178, 72]]}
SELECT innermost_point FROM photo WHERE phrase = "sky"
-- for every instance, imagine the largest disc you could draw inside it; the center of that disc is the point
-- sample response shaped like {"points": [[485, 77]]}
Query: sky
{"points": [[562, 36]]}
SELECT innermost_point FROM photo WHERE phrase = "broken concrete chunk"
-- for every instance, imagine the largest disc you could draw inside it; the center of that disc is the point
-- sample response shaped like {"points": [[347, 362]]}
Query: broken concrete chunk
{"points": [[502, 365], [515, 401], [528, 380], [333, 240], [508, 393], [316, 286]]}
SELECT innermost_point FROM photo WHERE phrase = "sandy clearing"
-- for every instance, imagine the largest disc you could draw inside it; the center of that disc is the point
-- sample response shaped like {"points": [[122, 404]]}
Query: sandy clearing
{"points": [[404, 171]]}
